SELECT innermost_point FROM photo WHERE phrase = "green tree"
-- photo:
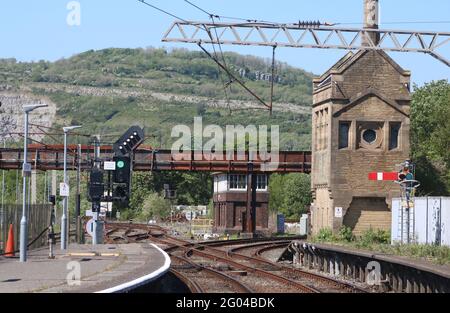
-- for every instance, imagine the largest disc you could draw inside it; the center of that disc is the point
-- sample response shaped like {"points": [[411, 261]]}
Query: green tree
{"points": [[430, 136], [191, 188], [155, 206], [290, 194], [142, 186], [276, 197], [297, 195]]}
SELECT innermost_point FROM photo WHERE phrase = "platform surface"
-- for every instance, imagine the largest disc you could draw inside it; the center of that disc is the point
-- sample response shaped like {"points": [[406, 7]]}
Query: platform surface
{"points": [[105, 268]]}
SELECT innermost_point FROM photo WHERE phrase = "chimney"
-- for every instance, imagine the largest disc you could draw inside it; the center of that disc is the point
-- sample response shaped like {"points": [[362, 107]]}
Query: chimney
{"points": [[371, 17]]}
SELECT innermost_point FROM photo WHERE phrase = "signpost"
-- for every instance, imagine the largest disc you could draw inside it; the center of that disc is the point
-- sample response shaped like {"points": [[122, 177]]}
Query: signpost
{"points": [[64, 190], [338, 211], [26, 169]]}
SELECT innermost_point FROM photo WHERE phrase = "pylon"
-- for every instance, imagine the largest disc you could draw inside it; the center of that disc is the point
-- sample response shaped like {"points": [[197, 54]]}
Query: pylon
{"points": [[9, 251]]}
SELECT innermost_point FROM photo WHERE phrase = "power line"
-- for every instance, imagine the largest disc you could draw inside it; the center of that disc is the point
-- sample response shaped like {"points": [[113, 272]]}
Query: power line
{"points": [[35, 140], [236, 79], [213, 58], [161, 10], [226, 17], [29, 133], [73, 133], [398, 22], [277, 23], [225, 66], [230, 81], [204, 11], [225, 85]]}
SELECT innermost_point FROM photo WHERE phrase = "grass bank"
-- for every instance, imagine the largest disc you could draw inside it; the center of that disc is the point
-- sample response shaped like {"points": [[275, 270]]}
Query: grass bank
{"points": [[379, 241]]}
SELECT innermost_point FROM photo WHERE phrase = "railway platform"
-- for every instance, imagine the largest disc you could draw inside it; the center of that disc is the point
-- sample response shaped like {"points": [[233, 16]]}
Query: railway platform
{"points": [[84, 269]]}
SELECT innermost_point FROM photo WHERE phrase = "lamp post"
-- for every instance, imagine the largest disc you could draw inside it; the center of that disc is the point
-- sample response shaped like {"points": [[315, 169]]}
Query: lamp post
{"points": [[2, 211], [26, 171], [64, 237]]}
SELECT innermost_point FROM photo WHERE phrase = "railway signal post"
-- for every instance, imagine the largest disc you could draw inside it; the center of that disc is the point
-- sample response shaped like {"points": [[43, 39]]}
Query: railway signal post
{"points": [[119, 187], [408, 185]]}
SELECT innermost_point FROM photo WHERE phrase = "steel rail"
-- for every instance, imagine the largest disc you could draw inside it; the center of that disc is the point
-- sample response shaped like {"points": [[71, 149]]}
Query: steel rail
{"points": [[232, 253], [266, 247], [194, 248], [258, 272], [241, 288], [192, 285]]}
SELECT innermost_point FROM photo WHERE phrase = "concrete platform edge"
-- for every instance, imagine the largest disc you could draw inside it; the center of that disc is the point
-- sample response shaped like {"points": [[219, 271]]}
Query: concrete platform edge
{"points": [[144, 279]]}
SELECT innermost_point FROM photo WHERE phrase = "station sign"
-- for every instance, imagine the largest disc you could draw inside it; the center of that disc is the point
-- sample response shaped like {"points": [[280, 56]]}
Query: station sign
{"points": [[64, 190], [109, 166]]}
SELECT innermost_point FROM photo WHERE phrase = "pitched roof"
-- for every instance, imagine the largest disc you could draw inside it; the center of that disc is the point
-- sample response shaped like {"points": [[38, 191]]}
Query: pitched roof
{"points": [[370, 92], [341, 61], [350, 58]]}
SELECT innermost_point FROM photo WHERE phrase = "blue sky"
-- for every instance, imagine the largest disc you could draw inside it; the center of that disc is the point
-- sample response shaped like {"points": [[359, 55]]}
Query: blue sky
{"points": [[34, 30]]}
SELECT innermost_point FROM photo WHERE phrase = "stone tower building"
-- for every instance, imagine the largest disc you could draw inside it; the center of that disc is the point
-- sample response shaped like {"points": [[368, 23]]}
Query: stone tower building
{"points": [[360, 124]]}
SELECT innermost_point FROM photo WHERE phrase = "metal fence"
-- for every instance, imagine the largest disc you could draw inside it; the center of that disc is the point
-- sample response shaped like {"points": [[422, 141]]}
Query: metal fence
{"points": [[429, 221], [38, 220]]}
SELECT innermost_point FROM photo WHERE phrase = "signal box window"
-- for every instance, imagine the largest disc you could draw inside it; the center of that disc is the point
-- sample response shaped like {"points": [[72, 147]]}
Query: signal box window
{"points": [[237, 182], [261, 182], [344, 131], [394, 132]]}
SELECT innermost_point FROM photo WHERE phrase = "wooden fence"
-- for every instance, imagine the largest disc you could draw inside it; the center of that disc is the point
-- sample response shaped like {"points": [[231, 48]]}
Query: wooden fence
{"points": [[38, 220]]}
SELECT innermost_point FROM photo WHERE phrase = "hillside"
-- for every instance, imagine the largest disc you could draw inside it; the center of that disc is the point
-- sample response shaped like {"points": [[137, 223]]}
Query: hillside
{"points": [[108, 90]]}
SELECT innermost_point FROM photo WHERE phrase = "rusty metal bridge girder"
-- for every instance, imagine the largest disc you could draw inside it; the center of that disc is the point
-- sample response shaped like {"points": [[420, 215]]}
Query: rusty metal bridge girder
{"points": [[51, 157], [300, 36]]}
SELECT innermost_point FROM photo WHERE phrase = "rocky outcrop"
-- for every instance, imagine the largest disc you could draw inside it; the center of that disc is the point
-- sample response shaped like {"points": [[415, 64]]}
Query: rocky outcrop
{"points": [[12, 117], [166, 97]]}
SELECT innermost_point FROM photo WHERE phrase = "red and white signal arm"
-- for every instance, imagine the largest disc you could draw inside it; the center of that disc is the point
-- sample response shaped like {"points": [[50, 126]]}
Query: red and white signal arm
{"points": [[383, 176]]}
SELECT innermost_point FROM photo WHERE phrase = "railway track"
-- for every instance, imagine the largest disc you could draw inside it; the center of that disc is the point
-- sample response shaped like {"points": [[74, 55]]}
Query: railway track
{"points": [[252, 260], [261, 279], [228, 266], [324, 284], [128, 233], [198, 275]]}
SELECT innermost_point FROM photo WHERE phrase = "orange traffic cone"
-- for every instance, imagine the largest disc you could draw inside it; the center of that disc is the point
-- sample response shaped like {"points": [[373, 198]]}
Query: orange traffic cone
{"points": [[9, 251]]}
